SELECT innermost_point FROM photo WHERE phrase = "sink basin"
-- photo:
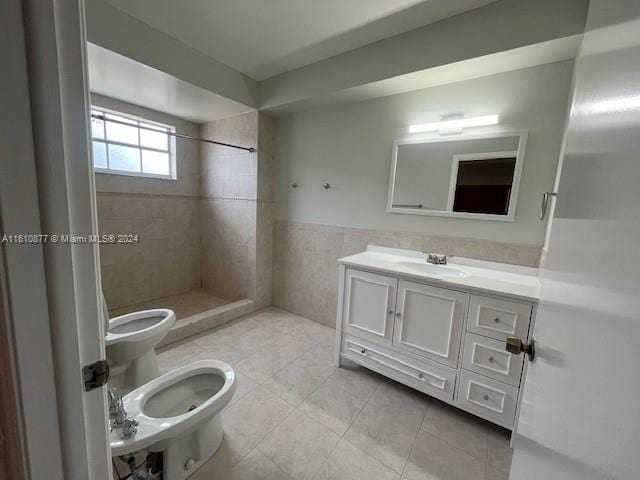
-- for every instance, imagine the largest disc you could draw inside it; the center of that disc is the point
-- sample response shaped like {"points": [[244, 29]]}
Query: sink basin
{"points": [[430, 269]]}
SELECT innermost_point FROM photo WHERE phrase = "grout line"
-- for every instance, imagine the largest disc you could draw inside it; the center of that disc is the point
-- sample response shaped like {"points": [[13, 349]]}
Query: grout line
{"points": [[413, 443]]}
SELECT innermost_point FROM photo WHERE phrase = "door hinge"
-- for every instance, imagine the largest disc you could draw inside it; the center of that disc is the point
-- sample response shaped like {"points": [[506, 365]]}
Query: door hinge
{"points": [[95, 375]]}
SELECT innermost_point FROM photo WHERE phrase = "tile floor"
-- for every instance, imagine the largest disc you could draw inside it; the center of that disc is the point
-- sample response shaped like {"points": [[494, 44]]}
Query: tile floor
{"points": [[295, 416]]}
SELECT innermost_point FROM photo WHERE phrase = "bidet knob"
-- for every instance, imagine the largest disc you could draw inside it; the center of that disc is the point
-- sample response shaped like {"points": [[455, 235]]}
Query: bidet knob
{"points": [[128, 428]]}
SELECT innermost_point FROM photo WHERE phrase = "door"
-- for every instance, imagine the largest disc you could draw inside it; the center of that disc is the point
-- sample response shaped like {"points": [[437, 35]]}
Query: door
{"points": [[580, 414], [46, 188], [369, 305], [429, 321]]}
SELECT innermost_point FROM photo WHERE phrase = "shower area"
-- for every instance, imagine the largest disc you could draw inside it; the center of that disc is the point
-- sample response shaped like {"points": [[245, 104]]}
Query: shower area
{"points": [[205, 241]]}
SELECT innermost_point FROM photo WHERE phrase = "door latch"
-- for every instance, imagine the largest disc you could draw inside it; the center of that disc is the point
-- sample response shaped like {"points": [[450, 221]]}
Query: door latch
{"points": [[516, 346], [95, 375]]}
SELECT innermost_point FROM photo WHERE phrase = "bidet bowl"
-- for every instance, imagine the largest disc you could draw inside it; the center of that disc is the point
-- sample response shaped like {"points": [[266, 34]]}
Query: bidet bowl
{"points": [[176, 404]]}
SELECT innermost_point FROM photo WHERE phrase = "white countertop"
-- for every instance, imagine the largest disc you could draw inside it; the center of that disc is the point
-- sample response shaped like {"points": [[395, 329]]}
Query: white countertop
{"points": [[483, 277]]}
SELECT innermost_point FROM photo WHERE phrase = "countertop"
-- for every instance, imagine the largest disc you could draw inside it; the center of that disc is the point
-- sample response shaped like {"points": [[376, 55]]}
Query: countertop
{"points": [[520, 283]]}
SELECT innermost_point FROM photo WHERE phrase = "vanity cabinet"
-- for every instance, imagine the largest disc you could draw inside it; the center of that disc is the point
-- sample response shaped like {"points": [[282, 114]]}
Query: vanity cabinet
{"points": [[446, 342]]}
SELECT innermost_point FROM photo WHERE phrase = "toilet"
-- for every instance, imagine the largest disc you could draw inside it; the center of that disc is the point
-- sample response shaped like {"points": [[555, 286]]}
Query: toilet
{"points": [[131, 340], [179, 415]]}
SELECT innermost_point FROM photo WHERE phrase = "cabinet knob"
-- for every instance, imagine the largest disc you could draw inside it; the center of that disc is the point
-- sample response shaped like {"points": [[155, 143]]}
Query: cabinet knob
{"points": [[363, 351], [398, 314], [491, 360], [420, 375], [496, 320], [390, 312], [486, 397]]}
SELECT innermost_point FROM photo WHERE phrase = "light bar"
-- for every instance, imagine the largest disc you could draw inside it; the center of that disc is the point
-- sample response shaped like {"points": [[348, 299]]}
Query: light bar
{"points": [[455, 124]]}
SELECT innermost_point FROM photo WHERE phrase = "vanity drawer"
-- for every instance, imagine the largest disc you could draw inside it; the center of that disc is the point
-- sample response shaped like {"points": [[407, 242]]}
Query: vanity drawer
{"points": [[425, 376], [490, 399], [487, 356], [498, 318]]}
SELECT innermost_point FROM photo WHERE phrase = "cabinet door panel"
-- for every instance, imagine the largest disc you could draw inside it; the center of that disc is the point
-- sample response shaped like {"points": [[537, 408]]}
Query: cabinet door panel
{"points": [[369, 305], [429, 321]]}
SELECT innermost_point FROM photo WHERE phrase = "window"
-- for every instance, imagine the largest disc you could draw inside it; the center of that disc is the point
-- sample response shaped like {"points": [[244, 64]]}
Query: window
{"points": [[132, 146]]}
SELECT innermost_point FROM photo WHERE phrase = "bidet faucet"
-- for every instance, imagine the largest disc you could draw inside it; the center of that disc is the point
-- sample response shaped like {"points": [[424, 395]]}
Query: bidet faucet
{"points": [[436, 258], [119, 420]]}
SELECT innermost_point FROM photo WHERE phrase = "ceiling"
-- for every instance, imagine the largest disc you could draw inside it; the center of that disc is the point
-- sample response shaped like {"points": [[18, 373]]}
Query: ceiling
{"points": [[263, 38], [125, 79]]}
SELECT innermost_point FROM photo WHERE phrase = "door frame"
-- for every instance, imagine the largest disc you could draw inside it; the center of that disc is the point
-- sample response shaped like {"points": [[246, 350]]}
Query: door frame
{"points": [[53, 289]]}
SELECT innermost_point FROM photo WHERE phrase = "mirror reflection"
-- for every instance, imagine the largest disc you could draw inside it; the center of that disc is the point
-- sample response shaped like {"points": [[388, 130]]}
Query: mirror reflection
{"points": [[462, 176]]}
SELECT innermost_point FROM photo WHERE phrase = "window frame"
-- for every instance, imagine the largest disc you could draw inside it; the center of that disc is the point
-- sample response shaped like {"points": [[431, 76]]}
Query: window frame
{"points": [[171, 141]]}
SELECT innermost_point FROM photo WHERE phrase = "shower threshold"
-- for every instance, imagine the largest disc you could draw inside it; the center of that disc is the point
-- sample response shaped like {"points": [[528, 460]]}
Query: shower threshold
{"points": [[196, 311]]}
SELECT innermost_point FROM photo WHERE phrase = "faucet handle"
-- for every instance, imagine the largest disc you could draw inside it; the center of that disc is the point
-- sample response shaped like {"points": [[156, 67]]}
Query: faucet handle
{"points": [[115, 402], [436, 259]]}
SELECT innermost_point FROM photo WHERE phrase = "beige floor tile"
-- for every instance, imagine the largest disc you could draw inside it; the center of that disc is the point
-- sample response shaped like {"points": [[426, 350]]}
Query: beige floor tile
{"points": [[459, 429], [386, 434], [434, 459], [356, 379], [394, 396], [333, 406], [234, 447], [299, 445], [230, 352], [256, 414], [350, 463], [499, 450], [318, 356], [255, 466], [311, 332], [177, 354], [243, 386], [296, 382], [493, 474], [270, 360]]}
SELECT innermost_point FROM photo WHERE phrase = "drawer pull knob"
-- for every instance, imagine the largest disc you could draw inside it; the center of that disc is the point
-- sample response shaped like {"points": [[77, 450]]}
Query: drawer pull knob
{"points": [[390, 312], [363, 351], [491, 360], [486, 397], [496, 320], [420, 375], [398, 314]]}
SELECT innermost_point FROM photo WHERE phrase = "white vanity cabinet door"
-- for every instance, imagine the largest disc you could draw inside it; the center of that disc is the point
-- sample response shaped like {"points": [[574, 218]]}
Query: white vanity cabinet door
{"points": [[369, 305], [429, 321], [499, 319]]}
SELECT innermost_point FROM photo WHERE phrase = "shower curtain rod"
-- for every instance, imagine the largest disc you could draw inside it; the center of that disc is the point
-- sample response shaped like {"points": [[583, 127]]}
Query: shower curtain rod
{"points": [[173, 134]]}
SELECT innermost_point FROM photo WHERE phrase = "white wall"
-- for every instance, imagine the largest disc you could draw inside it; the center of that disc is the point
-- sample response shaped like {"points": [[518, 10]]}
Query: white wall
{"points": [[349, 146]]}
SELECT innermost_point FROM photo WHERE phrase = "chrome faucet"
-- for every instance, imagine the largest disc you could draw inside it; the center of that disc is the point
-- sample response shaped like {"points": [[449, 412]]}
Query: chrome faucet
{"points": [[118, 415], [436, 258]]}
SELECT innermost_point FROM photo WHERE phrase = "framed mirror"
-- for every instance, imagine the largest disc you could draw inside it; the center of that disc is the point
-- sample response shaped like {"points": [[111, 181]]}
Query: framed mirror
{"points": [[464, 176]]}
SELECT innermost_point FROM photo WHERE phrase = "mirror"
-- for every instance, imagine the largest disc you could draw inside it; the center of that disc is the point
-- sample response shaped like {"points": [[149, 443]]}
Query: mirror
{"points": [[467, 176]]}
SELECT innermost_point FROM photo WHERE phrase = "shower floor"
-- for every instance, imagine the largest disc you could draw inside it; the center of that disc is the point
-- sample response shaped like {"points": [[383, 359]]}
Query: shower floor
{"points": [[196, 311]]}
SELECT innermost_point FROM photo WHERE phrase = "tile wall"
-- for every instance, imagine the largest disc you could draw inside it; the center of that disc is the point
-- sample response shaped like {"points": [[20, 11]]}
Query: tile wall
{"points": [[305, 272], [237, 206]]}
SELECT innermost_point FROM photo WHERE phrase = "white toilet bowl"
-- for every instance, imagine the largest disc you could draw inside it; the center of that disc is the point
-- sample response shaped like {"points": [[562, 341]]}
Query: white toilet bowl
{"points": [[131, 340], [179, 415]]}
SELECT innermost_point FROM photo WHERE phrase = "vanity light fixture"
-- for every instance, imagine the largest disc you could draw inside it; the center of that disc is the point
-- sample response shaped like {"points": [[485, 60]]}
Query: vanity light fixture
{"points": [[454, 125]]}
